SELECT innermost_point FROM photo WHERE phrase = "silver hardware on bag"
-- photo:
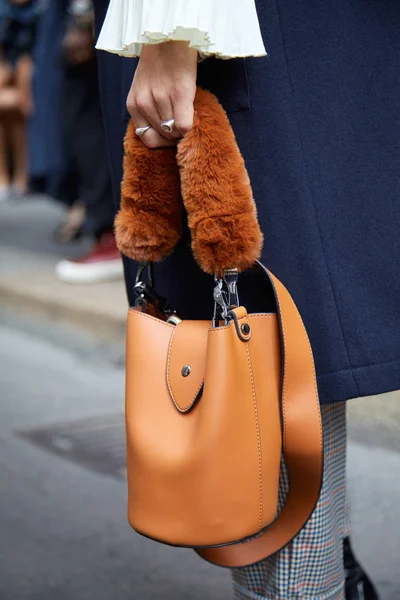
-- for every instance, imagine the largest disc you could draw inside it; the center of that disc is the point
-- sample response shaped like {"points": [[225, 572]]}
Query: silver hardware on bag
{"points": [[174, 319], [141, 269], [144, 271], [220, 306], [146, 295], [231, 277], [187, 369], [245, 328], [244, 331], [225, 296]]}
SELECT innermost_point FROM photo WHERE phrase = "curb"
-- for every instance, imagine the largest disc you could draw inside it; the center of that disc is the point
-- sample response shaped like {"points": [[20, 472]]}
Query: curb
{"points": [[104, 325], [29, 288]]}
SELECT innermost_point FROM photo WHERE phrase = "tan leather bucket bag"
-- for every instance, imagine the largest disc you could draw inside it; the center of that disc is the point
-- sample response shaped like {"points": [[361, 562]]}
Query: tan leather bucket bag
{"points": [[212, 406]]}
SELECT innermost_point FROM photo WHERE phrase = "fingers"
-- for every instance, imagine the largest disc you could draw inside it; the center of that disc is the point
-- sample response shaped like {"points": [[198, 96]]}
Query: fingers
{"points": [[147, 107], [183, 110], [163, 88], [152, 111], [151, 138], [154, 137], [165, 112], [144, 107]]}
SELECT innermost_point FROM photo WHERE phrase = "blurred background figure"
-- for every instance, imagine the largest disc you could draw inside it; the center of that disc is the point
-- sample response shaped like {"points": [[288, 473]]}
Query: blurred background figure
{"points": [[68, 157], [18, 22], [88, 179]]}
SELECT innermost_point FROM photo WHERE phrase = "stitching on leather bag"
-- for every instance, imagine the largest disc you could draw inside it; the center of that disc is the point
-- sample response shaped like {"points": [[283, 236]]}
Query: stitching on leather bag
{"points": [[283, 366], [284, 370], [168, 370], [181, 410], [315, 382], [258, 437], [251, 316], [132, 311]]}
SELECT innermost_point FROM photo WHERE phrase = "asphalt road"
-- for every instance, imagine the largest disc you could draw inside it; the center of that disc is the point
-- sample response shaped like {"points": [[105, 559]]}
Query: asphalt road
{"points": [[63, 529]]}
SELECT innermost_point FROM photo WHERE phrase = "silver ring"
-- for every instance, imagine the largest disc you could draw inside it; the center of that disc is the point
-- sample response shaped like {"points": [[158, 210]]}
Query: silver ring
{"points": [[168, 126], [142, 130]]}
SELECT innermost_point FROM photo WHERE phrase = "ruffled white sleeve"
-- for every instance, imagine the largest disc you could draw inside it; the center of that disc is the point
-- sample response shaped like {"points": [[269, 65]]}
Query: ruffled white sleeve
{"points": [[224, 28]]}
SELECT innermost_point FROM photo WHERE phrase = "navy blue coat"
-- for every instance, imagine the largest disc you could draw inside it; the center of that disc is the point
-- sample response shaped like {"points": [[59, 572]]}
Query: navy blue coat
{"points": [[318, 123]]}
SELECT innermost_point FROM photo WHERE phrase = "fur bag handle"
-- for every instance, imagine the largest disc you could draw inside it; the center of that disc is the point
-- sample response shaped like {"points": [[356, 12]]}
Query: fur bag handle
{"points": [[207, 172]]}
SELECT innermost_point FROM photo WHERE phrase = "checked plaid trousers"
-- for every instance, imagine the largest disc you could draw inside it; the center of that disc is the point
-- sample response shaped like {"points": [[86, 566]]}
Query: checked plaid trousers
{"points": [[311, 566]]}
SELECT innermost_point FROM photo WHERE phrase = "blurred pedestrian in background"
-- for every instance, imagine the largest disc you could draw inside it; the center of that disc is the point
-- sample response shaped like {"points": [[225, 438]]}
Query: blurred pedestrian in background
{"points": [[88, 176], [18, 22], [68, 149]]}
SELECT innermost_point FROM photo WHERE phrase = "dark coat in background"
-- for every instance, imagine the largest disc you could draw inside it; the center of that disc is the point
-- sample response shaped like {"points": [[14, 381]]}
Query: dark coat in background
{"points": [[47, 160], [318, 123]]}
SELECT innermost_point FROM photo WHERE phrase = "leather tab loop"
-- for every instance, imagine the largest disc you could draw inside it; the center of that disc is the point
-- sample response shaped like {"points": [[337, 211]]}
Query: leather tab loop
{"points": [[242, 324], [186, 363]]}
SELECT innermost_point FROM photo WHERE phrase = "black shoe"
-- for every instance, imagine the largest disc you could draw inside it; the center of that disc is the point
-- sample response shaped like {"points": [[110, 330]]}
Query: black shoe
{"points": [[358, 584]]}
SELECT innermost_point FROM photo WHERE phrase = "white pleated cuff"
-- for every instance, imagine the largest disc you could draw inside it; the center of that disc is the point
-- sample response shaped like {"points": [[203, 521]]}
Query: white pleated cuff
{"points": [[223, 28]]}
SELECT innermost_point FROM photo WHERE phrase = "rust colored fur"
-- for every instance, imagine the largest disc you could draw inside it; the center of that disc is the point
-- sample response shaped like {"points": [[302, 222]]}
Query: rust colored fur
{"points": [[215, 189], [216, 192], [149, 224]]}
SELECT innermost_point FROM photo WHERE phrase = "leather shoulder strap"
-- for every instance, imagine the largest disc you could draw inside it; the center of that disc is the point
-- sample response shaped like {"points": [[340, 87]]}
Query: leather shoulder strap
{"points": [[302, 442]]}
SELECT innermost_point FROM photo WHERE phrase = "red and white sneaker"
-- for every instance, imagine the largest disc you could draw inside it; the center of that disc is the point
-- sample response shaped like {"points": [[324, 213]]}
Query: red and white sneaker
{"points": [[103, 263]]}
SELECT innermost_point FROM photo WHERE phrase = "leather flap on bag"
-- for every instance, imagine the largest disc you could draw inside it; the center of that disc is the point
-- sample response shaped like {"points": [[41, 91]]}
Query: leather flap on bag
{"points": [[186, 363]]}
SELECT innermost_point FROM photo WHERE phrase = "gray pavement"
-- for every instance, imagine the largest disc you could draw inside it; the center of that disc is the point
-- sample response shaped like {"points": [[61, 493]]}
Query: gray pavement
{"points": [[28, 286], [64, 534], [28, 224]]}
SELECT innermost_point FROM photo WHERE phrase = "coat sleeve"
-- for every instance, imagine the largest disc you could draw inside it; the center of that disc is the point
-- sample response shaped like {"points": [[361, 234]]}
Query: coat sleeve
{"points": [[222, 28]]}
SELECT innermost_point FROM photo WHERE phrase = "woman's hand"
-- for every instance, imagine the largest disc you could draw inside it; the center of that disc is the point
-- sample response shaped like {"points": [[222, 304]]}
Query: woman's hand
{"points": [[164, 88]]}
